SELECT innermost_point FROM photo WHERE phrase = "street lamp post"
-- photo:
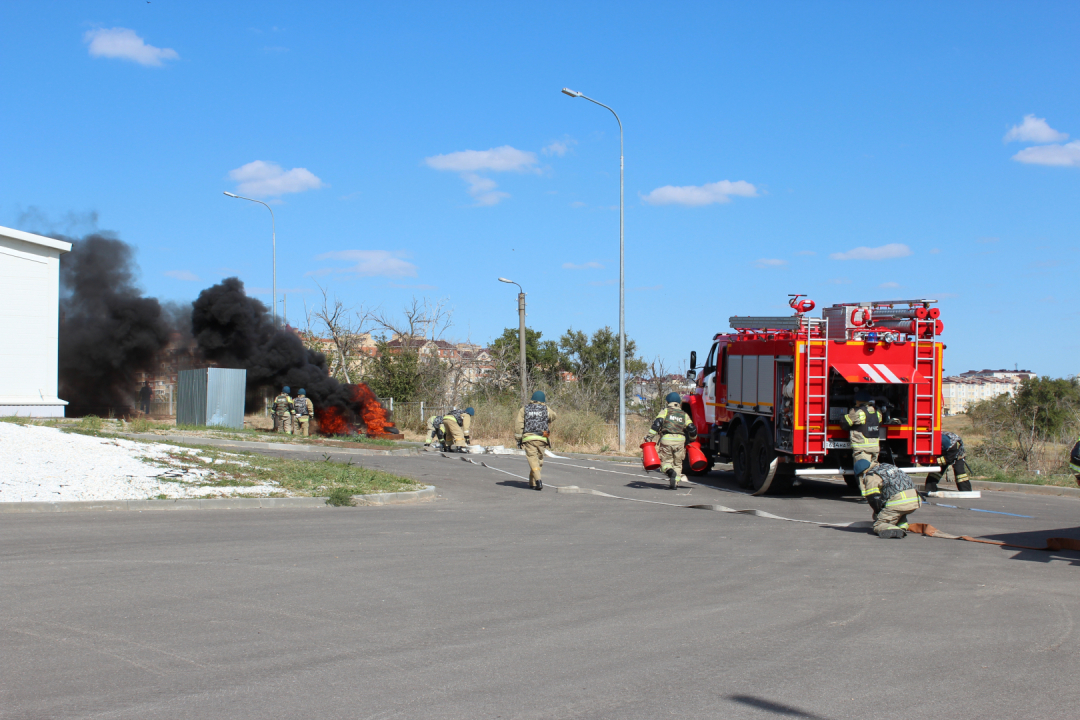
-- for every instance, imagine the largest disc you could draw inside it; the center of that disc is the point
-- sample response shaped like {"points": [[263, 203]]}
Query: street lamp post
{"points": [[622, 279], [273, 240], [521, 342]]}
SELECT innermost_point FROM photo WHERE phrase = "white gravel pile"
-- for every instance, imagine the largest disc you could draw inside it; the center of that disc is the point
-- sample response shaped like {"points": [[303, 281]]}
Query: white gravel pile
{"points": [[45, 464]]}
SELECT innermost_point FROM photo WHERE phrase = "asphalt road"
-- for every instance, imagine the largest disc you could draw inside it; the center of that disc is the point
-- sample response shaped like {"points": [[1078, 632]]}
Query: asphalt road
{"points": [[496, 601]]}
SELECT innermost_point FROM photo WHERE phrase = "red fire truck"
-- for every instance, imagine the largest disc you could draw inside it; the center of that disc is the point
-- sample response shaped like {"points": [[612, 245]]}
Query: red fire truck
{"points": [[771, 394]]}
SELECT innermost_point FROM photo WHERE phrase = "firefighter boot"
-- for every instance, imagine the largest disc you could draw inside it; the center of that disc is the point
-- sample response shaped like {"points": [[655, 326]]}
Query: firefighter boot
{"points": [[673, 478], [892, 533]]}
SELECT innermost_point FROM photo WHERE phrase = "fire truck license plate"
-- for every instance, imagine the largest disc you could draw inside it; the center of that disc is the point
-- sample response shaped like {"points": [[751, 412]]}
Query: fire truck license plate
{"points": [[837, 444]]}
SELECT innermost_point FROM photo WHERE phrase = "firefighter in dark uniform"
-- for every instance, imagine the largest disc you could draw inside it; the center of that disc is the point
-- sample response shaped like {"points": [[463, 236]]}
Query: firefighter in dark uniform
{"points": [[891, 495], [1074, 460], [864, 426], [952, 455], [674, 428]]}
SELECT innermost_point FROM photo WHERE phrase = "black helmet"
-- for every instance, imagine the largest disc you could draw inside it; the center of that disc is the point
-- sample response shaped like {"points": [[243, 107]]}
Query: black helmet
{"points": [[861, 396]]}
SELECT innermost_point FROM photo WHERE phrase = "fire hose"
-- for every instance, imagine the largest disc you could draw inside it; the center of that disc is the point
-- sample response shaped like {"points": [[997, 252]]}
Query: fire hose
{"points": [[924, 529]]}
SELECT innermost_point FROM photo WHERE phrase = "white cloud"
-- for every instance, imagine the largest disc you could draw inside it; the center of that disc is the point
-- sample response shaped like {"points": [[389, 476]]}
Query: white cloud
{"points": [[697, 195], [125, 44], [1067, 155], [470, 162], [769, 263], [577, 204], [889, 285], [935, 251], [500, 159], [372, 263], [182, 275], [483, 190], [559, 147], [266, 179], [885, 252], [584, 266], [1035, 130]]}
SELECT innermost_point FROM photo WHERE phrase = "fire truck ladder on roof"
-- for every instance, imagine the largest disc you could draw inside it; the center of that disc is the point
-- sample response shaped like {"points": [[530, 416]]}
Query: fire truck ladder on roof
{"points": [[816, 372], [925, 391]]}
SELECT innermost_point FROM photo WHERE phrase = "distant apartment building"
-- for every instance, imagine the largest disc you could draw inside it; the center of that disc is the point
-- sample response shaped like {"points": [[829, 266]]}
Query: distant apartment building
{"points": [[958, 392]]}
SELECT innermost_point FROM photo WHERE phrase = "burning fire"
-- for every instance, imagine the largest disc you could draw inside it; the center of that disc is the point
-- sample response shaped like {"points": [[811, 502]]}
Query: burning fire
{"points": [[365, 411]]}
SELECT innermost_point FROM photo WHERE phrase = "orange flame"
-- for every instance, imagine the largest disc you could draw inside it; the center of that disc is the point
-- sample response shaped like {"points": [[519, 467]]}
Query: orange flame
{"points": [[371, 410], [366, 409], [332, 422]]}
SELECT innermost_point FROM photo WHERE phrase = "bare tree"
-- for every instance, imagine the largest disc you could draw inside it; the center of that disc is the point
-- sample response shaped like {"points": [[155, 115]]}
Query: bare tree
{"points": [[345, 328], [420, 322]]}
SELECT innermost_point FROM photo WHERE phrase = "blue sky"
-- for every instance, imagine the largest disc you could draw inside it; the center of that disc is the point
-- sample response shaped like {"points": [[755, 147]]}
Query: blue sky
{"points": [[850, 151]]}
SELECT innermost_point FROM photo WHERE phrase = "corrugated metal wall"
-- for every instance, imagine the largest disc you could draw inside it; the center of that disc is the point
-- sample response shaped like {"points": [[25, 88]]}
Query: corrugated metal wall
{"points": [[225, 392], [211, 396], [191, 397]]}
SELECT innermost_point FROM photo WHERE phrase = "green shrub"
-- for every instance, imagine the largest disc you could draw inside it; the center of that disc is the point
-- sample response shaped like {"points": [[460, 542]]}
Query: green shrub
{"points": [[340, 497]]}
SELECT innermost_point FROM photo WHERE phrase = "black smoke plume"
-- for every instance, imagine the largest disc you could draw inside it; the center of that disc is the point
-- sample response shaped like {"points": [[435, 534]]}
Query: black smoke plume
{"points": [[236, 331], [108, 330]]}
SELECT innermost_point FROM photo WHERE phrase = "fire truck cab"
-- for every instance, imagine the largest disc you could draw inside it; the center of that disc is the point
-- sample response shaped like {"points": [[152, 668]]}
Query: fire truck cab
{"points": [[771, 395]]}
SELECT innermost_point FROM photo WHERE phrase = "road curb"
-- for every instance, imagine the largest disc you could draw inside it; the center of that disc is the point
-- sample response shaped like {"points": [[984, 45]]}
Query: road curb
{"points": [[399, 498], [1025, 489], [252, 445]]}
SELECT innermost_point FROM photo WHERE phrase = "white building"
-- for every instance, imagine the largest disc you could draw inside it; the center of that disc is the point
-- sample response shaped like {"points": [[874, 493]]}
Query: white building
{"points": [[960, 391], [29, 315]]}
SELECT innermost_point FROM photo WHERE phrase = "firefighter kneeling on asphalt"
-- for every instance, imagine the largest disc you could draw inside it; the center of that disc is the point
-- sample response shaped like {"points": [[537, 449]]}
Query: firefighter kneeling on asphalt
{"points": [[890, 494], [533, 430], [674, 428]]}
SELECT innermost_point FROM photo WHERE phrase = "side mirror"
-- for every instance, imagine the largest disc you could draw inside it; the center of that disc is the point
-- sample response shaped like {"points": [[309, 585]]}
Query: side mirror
{"points": [[691, 375], [693, 360]]}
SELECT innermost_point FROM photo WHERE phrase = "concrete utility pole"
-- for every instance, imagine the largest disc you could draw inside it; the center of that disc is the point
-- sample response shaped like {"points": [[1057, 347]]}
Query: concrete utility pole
{"points": [[521, 342], [273, 242], [622, 278]]}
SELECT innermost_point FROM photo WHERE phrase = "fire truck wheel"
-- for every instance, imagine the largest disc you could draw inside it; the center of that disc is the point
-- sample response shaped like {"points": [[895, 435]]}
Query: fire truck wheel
{"points": [[762, 462], [740, 456]]}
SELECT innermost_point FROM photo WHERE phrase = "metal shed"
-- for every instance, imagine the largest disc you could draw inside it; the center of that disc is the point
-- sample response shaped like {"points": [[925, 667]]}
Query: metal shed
{"points": [[211, 396]]}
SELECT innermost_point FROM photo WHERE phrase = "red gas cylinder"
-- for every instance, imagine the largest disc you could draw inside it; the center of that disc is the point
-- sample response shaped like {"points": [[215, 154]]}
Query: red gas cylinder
{"points": [[649, 458], [698, 461]]}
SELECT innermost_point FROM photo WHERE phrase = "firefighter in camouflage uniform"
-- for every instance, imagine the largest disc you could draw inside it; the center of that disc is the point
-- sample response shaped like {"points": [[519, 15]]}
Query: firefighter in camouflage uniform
{"points": [[952, 455], [302, 412], [674, 428], [533, 433], [283, 412], [864, 424], [890, 494]]}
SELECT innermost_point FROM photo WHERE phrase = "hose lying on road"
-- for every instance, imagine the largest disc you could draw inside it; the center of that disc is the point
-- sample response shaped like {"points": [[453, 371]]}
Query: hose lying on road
{"points": [[927, 530]]}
